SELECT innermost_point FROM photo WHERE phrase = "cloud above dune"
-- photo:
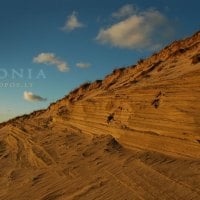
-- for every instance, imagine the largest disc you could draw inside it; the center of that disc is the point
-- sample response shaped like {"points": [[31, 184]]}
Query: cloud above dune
{"points": [[72, 22], [124, 11], [83, 65], [51, 59], [29, 96], [138, 30]]}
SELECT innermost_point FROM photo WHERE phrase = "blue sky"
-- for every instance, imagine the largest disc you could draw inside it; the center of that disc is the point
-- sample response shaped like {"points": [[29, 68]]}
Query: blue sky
{"points": [[49, 47]]}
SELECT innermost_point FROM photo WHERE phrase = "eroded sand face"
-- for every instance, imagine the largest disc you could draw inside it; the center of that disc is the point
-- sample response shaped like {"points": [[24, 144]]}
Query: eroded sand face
{"points": [[134, 135]]}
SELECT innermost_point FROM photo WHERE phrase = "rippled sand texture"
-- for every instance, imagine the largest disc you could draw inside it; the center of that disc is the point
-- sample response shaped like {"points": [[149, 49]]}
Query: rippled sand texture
{"points": [[133, 136]]}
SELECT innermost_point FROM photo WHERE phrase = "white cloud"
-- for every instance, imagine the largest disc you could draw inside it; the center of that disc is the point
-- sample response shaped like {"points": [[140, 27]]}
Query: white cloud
{"points": [[29, 96], [83, 65], [145, 29], [72, 22], [51, 59], [124, 11]]}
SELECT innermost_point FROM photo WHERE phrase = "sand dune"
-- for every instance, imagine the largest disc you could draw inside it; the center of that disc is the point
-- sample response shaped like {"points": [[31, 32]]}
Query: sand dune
{"points": [[134, 135]]}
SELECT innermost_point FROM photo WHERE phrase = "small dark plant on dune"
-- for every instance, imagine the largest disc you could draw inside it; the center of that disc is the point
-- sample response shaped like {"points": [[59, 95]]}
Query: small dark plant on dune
{"points": [[121, 69], [98, 81], [140, 61], [85, 85]]}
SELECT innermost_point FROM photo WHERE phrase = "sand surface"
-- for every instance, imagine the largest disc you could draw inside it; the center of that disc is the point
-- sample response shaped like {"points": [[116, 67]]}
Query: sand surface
{"points": [[133, 136]]}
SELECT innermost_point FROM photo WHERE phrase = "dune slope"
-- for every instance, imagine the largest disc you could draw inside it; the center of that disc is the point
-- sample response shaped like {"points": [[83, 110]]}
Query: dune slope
{"points": [[133, 135]]}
